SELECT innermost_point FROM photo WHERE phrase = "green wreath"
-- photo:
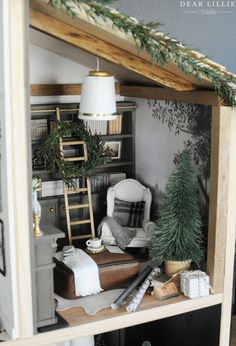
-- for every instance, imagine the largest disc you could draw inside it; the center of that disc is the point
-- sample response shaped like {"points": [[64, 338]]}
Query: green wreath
{"points": [[68, 170]]}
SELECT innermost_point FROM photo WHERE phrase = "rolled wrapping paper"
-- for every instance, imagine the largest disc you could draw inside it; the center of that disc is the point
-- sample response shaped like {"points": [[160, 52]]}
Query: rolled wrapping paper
{"points": [[122, 298], [141, 291]]}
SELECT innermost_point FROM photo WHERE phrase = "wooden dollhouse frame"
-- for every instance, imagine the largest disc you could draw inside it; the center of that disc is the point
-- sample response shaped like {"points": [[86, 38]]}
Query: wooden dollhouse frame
{"points": [[82, 33]]}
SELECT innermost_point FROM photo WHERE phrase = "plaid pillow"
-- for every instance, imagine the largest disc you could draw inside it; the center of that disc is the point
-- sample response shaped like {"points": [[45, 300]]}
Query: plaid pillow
{"points": [[128, 213]]}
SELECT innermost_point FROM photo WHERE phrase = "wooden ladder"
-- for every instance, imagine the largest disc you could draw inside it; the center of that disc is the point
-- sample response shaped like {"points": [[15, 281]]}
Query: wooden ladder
{"points": [[71, 191]]}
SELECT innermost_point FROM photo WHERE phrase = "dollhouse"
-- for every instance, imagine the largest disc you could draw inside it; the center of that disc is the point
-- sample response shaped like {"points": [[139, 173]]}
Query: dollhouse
{"points": [[81, 38]]}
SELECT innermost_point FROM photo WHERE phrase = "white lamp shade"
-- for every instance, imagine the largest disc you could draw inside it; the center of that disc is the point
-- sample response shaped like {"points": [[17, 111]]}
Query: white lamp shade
{"points": [[98, 100]]}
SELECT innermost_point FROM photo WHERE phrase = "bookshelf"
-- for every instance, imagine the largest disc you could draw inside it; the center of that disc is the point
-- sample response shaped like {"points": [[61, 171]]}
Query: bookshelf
{"points": [[119, 134]]}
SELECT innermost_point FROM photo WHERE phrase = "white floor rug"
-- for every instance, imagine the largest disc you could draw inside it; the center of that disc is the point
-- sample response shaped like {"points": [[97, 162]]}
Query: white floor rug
{"points": [[90, 304]]}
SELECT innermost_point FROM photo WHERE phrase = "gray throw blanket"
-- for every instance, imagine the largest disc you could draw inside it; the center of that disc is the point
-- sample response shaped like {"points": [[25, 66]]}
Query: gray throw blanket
{"points": [[123, 235]]}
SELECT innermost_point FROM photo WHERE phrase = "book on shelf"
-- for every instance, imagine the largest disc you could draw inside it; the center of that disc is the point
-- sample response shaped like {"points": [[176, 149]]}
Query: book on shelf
{"points": [[114, 127], [55, 187], [161, 280], [39, 129], [51, 188], [110, 127], [97, 126], [99, 183], [52, 125], [168, 291], [104, 180]]}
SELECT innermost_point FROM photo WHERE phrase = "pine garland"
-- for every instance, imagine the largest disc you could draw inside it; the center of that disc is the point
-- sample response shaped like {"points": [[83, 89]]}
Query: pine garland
{"points": [[68, 170], [178, 234], [161, 48]]}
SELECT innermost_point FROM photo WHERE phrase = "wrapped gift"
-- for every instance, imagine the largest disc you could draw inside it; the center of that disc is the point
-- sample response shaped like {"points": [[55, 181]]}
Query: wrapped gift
{"points": [[194, 284]]}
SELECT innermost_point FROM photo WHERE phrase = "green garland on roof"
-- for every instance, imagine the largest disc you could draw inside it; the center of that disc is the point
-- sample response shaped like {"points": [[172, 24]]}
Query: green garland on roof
{"points": [[161, 48]]}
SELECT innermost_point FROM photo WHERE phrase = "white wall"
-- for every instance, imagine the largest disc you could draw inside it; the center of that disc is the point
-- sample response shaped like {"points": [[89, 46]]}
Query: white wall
{"points": [[155, 147], [49, 68]]}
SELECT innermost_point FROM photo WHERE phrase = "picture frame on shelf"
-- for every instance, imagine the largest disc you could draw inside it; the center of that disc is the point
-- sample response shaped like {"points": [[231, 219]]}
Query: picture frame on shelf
{"points": [[38, 162], [113, 149]]}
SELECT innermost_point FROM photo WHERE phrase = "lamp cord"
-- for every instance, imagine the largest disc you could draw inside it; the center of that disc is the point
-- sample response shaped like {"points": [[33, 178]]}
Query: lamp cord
{"points": [[97, 64]]}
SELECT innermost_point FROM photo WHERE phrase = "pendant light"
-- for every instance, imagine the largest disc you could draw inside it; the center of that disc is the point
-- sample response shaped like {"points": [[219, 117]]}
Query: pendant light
{"points": [[98, 101]]}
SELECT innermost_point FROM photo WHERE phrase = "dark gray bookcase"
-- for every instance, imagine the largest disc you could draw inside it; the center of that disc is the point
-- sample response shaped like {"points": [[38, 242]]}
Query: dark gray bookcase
{"points": [[53, 207]]}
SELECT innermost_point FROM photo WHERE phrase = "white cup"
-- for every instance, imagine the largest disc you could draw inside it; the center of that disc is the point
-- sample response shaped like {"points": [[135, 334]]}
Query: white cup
{"points": [[94, 242]]}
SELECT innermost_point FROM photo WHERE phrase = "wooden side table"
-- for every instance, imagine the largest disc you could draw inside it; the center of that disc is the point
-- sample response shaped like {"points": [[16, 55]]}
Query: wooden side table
{"points": [[44, 247]]}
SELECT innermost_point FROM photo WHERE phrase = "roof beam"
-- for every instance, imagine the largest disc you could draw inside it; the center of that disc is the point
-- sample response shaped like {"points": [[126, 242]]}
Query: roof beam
{"points": [[197, 97], [60, 89], [75, 36]]}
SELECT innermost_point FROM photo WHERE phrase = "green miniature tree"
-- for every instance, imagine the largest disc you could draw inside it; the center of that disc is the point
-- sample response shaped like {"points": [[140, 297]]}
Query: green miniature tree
{"points": [[178, 233]]}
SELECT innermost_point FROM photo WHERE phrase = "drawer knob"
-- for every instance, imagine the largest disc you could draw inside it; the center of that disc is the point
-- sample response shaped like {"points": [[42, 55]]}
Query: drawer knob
{"points": [[52, 210]]}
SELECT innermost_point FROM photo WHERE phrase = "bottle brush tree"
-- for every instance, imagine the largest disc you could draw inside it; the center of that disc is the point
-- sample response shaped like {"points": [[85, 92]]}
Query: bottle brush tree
{"points": [[178, 233]]}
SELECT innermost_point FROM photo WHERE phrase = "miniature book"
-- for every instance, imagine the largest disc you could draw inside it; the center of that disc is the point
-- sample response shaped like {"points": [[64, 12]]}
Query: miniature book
{"points": [[161, 280], [168, 291]]}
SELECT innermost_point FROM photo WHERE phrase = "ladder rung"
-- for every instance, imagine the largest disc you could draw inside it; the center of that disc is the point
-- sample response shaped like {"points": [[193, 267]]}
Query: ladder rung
{"points": [[82, 236], [83, 189], [81, 158], [72, 143], [78, 206], [82, 222]]}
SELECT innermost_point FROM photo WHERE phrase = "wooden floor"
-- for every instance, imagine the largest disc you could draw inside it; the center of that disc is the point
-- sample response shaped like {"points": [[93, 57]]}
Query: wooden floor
{"points": [[151, 310]]}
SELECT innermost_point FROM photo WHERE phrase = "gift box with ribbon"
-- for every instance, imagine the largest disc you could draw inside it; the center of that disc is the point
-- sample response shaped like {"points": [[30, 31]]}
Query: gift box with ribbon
{"points": [[194, 284]]}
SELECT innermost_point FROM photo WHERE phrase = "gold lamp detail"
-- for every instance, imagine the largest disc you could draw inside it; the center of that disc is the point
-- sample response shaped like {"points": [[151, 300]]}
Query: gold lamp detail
{"points": [[98, 101]]}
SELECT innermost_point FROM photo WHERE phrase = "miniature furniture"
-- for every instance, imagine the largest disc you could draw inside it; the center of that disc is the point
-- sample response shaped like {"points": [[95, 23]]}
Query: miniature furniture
{"points": [[130, 190], [116, 270], [51, 196], [44, 247]]}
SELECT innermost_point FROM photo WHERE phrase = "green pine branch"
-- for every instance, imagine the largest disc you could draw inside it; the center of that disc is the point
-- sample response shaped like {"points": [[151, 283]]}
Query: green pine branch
{"points": [[161, 48]]}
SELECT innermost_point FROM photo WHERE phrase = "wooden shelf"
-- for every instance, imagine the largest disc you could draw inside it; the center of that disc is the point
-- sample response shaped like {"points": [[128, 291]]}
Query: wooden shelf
{"points": [[117, 136], [150, 309], [107, 320], [117, 163]]}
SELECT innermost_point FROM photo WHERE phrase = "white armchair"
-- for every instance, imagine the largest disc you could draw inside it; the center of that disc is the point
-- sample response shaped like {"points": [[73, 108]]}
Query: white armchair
{"points": [[130, 190]]}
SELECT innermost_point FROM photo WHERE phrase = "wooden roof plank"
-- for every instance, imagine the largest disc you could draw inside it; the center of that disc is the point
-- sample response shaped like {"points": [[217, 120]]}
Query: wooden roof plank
{"points": [[100, 48], [196, 97]]}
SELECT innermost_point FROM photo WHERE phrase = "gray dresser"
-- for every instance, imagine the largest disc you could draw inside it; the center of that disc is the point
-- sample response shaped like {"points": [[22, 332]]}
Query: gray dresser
{"points": [[45, 246]]}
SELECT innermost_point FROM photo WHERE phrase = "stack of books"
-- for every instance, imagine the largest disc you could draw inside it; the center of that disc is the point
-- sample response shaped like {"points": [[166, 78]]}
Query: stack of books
{"points": [[39, 129], [55, 187], [111, 127], [104, 180], [97, 126], [114, 127], [99, 183]]}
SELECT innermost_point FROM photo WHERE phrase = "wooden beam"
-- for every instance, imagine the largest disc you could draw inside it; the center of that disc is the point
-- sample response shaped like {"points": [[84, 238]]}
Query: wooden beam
{"points": [[222, 216], [60, 89], [229, 141], [197, 97], [21, 255], [105, 50]]}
